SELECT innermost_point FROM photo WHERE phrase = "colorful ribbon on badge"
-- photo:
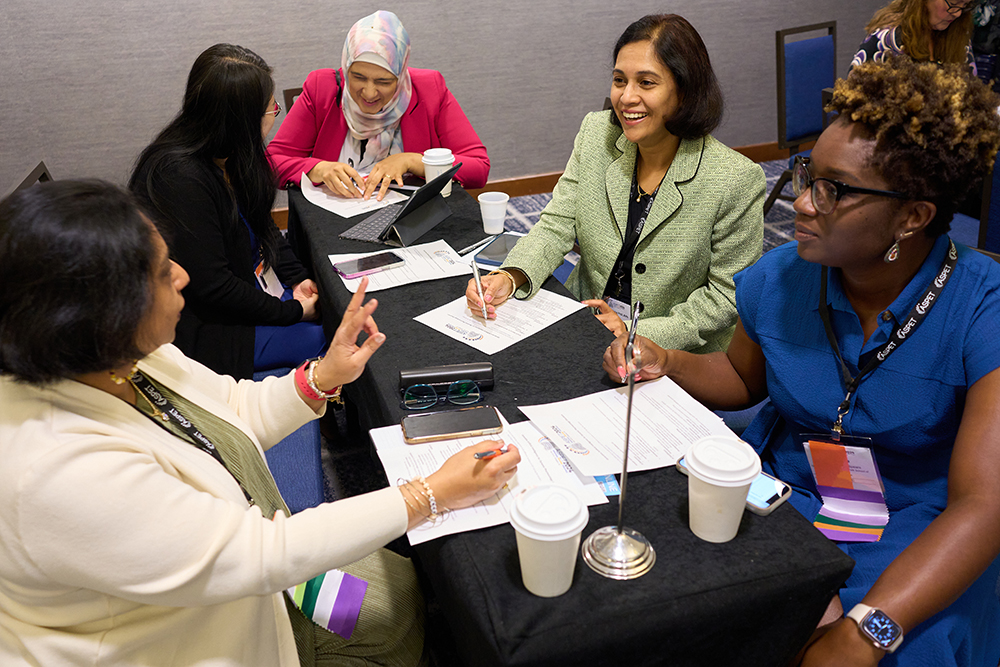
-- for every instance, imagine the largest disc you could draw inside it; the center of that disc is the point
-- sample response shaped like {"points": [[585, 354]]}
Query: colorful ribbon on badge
{"points": [[851, 489], [332, 600]]}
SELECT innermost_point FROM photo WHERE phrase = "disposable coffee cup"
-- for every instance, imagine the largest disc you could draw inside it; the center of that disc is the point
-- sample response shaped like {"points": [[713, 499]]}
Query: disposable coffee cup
{"points": [[493, 206], [436, 162], [548, 520], [721, 469]]}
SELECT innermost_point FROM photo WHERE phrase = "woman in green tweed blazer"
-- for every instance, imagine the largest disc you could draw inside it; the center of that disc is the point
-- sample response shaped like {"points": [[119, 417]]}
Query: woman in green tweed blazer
{"points": [[652, 152]]}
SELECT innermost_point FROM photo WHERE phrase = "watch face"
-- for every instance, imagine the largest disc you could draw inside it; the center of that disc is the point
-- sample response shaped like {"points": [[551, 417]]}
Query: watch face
{"points": [[881, 628]]}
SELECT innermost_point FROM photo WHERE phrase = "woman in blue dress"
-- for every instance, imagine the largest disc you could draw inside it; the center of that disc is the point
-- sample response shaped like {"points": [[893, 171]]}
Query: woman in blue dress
{"points": [[913, 322]]}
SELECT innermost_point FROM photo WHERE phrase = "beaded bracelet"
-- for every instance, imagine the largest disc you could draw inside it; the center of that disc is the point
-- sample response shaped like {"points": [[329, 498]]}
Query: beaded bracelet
{"points": [[430, 499], [316, 391], [501, 272], [303, 383]]}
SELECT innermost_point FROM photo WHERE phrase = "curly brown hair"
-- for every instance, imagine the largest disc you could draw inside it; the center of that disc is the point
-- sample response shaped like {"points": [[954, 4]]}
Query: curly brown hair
{"points": [[936, 128]]}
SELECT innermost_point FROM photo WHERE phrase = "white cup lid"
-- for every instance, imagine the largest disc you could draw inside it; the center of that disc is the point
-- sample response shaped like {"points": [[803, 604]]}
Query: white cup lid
{"points": [[549, 512], [436, 156], [723, 460]]}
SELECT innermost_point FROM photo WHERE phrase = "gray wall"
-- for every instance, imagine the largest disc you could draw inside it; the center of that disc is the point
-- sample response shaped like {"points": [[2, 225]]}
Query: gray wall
{"points": [[85, 85]]}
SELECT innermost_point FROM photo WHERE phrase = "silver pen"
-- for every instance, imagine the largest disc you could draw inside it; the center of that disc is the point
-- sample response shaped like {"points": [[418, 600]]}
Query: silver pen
{"points": [[478, 244], [479, 287]]}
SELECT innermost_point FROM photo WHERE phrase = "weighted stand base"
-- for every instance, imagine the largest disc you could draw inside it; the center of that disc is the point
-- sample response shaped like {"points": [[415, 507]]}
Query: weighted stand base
{"points": [[624, 555]]}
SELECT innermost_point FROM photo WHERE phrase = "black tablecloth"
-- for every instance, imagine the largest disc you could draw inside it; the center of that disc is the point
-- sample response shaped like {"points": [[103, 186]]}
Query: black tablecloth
{"points": [[560, 362], [752, 601]]}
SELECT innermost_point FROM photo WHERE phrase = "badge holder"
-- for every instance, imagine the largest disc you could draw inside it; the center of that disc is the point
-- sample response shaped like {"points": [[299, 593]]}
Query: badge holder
{"points": [[617, 552]]}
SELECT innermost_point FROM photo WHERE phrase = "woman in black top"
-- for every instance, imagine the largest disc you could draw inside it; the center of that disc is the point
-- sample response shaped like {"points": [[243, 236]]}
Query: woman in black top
{"points": [[207, 179]]}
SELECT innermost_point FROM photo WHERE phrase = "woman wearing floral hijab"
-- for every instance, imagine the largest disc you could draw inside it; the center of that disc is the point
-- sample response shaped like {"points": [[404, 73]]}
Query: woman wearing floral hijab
{"points": [[377, 132]]}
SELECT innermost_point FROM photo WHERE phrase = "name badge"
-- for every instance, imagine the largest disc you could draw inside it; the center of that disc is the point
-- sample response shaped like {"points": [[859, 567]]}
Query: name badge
{"points": [[622, 309], [268, 281]]}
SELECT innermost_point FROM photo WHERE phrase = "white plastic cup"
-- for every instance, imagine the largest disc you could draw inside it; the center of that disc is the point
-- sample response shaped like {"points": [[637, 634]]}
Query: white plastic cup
{"points": [[721, 469], [548, 520], [493, 206], [436, 162]]}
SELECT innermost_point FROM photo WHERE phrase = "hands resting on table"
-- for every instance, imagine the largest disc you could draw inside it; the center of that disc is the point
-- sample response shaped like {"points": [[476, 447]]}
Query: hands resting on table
{"points": [[462, 480], [345, 181], [497, 288]]}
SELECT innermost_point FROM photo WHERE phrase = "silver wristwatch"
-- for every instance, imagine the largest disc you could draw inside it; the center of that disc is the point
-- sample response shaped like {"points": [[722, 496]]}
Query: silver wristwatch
{"points": [[876, 625]]}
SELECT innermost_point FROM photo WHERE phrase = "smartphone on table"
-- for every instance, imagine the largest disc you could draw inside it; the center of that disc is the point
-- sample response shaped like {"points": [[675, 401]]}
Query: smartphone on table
{"points": [[355, 268], [450, 424], [496, 250], [766, 492]]}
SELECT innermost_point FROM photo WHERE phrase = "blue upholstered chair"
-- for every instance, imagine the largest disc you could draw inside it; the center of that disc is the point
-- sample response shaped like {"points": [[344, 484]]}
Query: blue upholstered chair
{"points": [[296, 462], [805, 67], [984, 233]]}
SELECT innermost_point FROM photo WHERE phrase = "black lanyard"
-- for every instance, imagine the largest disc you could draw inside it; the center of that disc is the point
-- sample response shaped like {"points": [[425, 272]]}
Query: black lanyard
{"points": [[168, 412], [902, 332], [622, 264]]}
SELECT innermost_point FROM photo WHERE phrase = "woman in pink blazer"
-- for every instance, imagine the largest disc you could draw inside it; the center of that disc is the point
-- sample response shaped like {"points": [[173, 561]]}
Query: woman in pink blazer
{"points": [[378, 131]]}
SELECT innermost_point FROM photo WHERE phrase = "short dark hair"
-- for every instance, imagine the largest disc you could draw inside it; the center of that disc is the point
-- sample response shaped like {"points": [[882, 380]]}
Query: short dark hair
{"points": [[935, 127], [681, 50], [75, 263]]}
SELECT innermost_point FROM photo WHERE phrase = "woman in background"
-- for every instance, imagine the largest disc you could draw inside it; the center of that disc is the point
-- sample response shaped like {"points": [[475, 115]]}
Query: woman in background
{"points": [[377, 132], [932, 30], [664, 213], [875, 302], [139, 524], [250, 304]]}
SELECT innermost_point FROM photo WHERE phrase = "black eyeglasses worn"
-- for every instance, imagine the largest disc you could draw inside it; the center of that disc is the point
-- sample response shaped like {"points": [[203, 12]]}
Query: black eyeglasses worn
{"points": [[423, 396], [826, 192], [276, 111], [956, 8]]}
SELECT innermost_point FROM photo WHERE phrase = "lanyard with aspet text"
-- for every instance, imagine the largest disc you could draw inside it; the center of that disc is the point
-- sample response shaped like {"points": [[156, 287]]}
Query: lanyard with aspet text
{"points": [[166, 411], [902, 332], [622, 265]]}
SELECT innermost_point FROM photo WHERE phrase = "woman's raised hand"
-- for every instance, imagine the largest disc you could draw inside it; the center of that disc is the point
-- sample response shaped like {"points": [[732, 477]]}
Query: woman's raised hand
{"points": [[345, 359], [341, 178]]}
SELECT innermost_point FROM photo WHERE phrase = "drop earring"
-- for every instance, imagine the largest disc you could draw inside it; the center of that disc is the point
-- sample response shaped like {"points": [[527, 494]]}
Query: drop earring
{"points": [[892, 253]]}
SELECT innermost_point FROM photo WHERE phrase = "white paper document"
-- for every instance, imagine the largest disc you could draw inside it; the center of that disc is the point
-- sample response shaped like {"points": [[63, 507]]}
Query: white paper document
{"points": [[429, 261], [541, 462], [516, 320], [322, 196], [591, 429]]}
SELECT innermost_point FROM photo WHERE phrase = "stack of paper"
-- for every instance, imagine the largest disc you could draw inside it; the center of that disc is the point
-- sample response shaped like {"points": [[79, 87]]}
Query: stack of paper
{"points": [[577, 443], [541, 462], [850, 486]]}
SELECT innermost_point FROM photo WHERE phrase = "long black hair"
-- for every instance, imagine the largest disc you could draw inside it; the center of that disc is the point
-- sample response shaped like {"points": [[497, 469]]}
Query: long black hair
{"points": [[227, 93]]}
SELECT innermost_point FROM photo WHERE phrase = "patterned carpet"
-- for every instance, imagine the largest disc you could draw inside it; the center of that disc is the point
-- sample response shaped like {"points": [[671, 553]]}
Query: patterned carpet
{"points": [[523, 212]]}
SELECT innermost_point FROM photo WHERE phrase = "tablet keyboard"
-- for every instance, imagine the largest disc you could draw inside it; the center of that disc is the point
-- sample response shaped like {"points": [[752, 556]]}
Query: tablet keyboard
{"points": [[371, 228]]}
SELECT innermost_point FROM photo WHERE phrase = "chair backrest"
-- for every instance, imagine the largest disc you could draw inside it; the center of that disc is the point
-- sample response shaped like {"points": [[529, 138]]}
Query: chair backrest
{"points": [[805, 67], [989, 219], [39, 174], [290, 95]]}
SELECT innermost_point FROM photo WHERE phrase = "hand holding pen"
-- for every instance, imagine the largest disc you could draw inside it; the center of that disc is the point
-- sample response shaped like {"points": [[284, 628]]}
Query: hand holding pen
{"points": [[479, 288], [490, 453]]}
